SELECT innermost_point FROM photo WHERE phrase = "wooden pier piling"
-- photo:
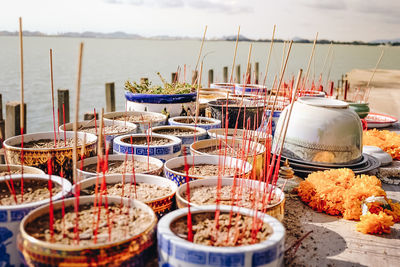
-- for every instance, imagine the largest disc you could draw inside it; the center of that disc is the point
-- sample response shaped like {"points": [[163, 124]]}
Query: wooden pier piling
{"points": [[225, 74], [194, 77], [63, 98], [210, 77], [237, 78], [13, 111], [257, 72], [110, 97]]}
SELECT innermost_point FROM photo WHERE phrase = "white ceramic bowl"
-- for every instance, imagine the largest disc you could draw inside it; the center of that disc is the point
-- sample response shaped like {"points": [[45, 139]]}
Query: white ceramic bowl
{"points": [[321, 130]]}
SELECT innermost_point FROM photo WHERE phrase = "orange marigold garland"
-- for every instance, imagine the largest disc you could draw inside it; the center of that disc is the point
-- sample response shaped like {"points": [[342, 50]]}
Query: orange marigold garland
{"points": [[340, 192], [386, 140], [371, 223]]}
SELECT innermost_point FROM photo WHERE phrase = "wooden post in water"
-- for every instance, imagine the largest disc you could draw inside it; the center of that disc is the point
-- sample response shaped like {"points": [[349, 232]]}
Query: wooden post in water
{"points": [[257, 72], [237, 78], [194, 77], [13, 125], [225, 73], [2, 123], [63, 98], [174, 77], [210, 77], [110, 97]]}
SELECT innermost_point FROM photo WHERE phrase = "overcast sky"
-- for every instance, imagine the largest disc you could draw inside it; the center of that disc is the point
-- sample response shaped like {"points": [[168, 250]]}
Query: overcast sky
{"points": [[334, 19]]}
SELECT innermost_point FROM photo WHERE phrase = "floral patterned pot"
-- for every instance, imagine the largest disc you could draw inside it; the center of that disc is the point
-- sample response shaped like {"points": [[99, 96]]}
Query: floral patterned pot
{"points": [[145, 118], [38, 157]]}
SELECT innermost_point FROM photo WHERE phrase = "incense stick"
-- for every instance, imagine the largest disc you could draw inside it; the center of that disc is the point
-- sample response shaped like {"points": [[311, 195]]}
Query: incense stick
{"points": [[201, 48], [269, 55], [248, 65], [376, 67], [234, 55], [78, 90], [52, 95], [309, 62], [198, 95], [22, 107]]}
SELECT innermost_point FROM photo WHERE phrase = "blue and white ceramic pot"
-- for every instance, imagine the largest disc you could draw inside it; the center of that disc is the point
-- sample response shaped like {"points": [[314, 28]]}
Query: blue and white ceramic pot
{"points": [[112, 129], [275, 209], [169, 147], [188, 134], [275, 119], [174, 105], [155, 165], [160, 205], [180, 177], [128, 250], [11, 215], [142, 119], [202, 122], [251, 89], [176, 251], [224, 86]]}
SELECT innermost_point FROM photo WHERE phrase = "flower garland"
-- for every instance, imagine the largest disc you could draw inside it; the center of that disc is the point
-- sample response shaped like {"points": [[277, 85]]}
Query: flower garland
{"points": [[388, 141], [340, 192]]}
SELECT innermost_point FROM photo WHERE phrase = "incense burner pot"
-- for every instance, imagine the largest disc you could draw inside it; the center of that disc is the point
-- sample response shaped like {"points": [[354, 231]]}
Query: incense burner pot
{"points": [[180, 177], [160, 206], [163, 152], [276, 210], [129, 128], [321, 130], [38, 157], [11, 215], [251, 89], [202, 122], [224, 86], [172, 105], [142, 119], [254, 152], [27, 169], [176, 251], [84, 174], [187, 139], [240, 111], [128, 251], [222, 133]]}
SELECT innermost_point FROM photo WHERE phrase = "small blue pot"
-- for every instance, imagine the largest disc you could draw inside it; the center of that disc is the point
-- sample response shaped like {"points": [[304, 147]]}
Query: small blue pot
{"points": [[162, 152], [275, 118], [215, 123], [160, 99]]}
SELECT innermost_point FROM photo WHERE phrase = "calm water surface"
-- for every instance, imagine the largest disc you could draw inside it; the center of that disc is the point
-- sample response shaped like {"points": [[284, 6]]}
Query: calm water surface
{"points": [[115, 60]]}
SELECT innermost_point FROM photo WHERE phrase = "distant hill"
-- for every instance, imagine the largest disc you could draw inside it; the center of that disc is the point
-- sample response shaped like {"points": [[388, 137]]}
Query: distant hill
{"points": [[124, 35]]}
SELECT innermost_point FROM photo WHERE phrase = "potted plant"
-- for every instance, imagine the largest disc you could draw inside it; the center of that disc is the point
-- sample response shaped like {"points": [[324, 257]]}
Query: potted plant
{"points": [[172, 99]]}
